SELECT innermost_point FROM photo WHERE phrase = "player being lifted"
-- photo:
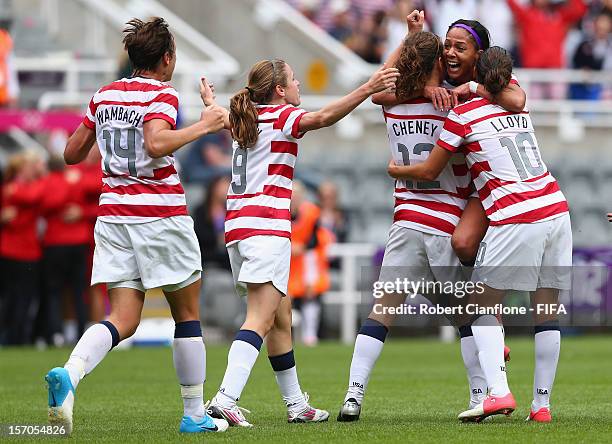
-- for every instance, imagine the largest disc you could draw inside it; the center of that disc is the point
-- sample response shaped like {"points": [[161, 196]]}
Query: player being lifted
{"points": [[144, 236], [528, 245], [266, 124], [427, 214]]}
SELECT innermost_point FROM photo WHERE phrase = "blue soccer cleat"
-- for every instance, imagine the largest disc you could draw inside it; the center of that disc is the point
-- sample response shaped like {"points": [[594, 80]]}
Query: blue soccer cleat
{"points": [[207, 424], [61, 398]]}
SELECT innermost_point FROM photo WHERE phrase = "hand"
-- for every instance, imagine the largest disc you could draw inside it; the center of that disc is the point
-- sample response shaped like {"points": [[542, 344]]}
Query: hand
{"points": [[8, 214], [392, 169], [441, 98], [207, 92], [213, 117], [609, 217], [415, 21], [463, 91], [72, 214], [383, 79]]}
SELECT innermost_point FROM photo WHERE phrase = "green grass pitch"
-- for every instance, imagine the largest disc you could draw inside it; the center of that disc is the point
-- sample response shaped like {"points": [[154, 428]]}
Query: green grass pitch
{"points": [[415, 393]]}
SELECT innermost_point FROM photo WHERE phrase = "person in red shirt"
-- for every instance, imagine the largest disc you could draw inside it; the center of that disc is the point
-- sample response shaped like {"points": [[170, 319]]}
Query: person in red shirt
{"points": [[542, 28], [20, 250], [67, 212]]}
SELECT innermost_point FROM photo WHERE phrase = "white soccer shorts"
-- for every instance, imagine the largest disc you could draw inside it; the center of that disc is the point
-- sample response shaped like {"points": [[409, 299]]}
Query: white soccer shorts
{"points": [[260, 259], [526, 256], [416, 256], [163, 253]]}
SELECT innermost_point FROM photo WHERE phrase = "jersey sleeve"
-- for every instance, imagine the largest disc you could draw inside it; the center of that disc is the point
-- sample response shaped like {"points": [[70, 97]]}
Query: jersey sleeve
{"points": [[453, 133], [289, 122], [90, 115], [163, 106]]}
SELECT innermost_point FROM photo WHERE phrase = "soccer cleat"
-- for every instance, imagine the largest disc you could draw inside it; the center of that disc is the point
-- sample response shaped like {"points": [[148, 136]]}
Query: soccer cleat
{"points": [[542, 415], [61, 398], [492, 405], [233, 415], [309, 414], [349, 411], [506, 353], [207, 424]]}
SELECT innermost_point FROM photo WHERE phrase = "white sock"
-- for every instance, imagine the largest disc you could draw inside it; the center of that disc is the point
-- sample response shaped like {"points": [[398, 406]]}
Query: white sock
{"points": [[287, 380], [93, 346], [547, 346], [366, 352], [476, 377], [490, 342], [311, 312], [240, 361], [189, 356]]}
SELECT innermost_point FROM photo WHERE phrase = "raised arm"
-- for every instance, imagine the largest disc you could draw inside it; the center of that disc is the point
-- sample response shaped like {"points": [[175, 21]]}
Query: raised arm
{"points": [[161, 140], [207, 93], [415, 21], [430, 169], [383, 78]]}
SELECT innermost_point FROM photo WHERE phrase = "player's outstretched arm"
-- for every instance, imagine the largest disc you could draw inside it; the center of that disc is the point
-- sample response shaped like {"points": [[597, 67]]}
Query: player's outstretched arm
{"points": [[415, 21], [79, 144], [511, 98], [383, 78], [160, 140], [424, 171]]}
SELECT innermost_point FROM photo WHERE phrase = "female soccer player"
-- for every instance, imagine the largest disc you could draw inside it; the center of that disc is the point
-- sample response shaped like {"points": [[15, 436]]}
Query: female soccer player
{"points": [[426, 215], [144, 236], [266, 125], [528, 245]]}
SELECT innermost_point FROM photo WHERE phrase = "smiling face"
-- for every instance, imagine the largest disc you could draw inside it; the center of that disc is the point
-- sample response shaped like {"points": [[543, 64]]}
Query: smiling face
{"points": [[292, 90], [460, 55]]}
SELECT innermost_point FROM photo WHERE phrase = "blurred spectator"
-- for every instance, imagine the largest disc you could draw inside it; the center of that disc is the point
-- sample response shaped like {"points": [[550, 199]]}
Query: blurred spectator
{"points": [[68, 212], [496, 16], [333, 218], [594, 54], [543, 27], [208, 158], [441, 13], [9, 84], [341, 27], [309, 272], [396, 25], [209, 224], [368, 39], [20, 249]]}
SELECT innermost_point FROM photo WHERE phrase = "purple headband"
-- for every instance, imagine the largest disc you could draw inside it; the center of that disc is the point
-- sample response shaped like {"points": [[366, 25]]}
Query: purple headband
{"points": [[471, 31]]}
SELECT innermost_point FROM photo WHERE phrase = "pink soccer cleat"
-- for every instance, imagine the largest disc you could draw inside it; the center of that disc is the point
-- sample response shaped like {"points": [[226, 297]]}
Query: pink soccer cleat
{"points": [[542, 415], [492, 405], [506, 353]]}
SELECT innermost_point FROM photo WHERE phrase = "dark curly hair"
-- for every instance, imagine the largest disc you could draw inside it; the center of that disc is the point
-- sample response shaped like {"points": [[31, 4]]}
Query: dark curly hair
{"points": [[419, 54]]}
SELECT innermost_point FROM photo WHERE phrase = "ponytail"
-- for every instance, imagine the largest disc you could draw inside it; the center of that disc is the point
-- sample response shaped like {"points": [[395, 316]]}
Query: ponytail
{"points": [[243, 119]]}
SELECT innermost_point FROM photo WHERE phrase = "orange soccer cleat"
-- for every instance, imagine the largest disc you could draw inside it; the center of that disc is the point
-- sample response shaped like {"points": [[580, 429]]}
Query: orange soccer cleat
{"points": [[492, 405], [542, 415]]}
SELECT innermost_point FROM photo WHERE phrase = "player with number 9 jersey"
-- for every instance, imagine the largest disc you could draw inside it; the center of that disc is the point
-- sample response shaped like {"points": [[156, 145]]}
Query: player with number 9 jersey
{"points": [[266, 123]]}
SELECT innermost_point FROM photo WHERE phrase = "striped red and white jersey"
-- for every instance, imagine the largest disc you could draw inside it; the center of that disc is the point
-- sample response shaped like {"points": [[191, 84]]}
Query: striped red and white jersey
{"points": [[502, 152], [430, 207], [136, 188], [259, 196]]}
